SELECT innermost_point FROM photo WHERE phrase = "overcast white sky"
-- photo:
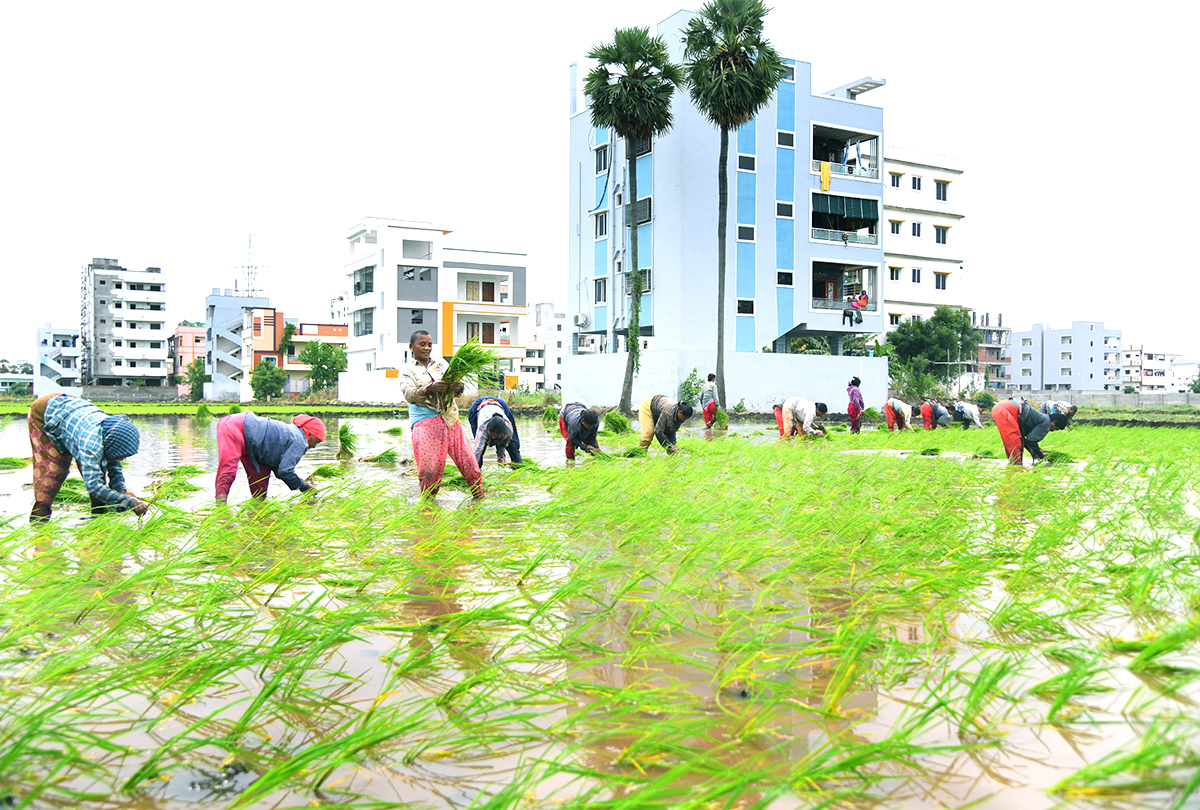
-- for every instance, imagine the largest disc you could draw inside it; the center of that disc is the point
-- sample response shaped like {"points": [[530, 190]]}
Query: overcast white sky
{"points": [[163, 134]]}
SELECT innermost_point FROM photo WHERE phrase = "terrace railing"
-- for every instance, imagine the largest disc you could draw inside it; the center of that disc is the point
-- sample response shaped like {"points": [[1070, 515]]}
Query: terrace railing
{"points": [[833, 303], [849, 237], [849, 171]]}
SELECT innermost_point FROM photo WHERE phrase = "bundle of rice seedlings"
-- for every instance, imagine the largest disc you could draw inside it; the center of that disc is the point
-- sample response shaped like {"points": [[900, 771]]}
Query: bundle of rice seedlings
{"points": [[871, 415], [721, 420], [398, 430], [203, 412], [550, 415], [616, 424], [235, 408], [11, 463], [389, 456], [634, 452], [330, 471], [467, 364], [73, 491], [347, 441], [1057, 457]]}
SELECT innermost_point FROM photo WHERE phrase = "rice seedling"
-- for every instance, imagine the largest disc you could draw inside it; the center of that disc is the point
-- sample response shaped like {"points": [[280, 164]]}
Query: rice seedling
{"points": [[871, 415], [616, 424], [389, 456], [397, 430], [550, 415], [203, 412], [330, 471], [347, 441], [469, 363], [721, 419], [235, 408], [11, 463]]}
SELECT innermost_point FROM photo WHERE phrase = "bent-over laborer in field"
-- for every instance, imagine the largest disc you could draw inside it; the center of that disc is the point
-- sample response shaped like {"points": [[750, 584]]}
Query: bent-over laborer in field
{"points": [[1053, 406], [934, 414], [659, 417], [433, 418], [494, 425], [1022, 426], [856, 405], [968, 414], [579, 425], [898, 414], [62, 428], [796, 415], [708, 401], [264, 446]]}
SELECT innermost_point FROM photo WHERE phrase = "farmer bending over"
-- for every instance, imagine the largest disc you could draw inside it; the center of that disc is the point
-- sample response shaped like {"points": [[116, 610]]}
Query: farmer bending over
{"points": [[579, 425], [1053, 406], [898, 414], [796, 415], [264, 446], [494, 425], [63, 427], [659, 417], [433, 418], [968, 414], [1022, 427]]}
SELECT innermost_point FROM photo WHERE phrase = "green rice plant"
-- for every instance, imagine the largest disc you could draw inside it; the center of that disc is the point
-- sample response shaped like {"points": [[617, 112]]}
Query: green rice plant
{"points": [[330, 471], [871, 414], [721, 419], [347, 441], [389, 456], [1143, 767], [203, 412], [616, 424], [550, 415], [397, 430], [11, 463], [73, 491], [469, 363], [235, 408]]}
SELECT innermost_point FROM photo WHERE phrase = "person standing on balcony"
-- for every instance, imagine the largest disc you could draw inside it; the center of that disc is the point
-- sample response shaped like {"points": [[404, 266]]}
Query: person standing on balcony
{"points": [[1053, 406], [708, 401], [264, 446], [62, 428], [859, 305], [968, 414], [494, 425], [856, 406], [898, 414], [1022, 427], [433, 419], [579, 425], [796, 415], [659, 417]]}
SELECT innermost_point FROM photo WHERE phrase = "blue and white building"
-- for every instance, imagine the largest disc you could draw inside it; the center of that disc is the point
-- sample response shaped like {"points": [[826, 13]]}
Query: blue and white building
{"points": [[1086, 357], [805, 205]]}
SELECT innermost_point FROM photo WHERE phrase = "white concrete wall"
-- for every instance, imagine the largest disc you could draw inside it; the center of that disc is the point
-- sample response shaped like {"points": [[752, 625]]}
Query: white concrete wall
{"points": [[369, 387], [762, 379]]}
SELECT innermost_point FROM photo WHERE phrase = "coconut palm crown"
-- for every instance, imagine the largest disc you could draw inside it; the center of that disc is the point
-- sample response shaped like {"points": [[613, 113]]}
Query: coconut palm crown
{"points": [[630, 92]]}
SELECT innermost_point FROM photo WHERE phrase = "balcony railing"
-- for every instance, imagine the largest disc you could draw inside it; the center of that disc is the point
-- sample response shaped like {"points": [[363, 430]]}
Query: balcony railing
{"points": [[849, 171], [833, 303], [848, 237]]}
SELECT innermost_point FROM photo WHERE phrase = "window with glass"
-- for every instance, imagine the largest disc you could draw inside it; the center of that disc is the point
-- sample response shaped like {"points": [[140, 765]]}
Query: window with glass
{"points": [[939, 280], [939, 234], [942, 188]]}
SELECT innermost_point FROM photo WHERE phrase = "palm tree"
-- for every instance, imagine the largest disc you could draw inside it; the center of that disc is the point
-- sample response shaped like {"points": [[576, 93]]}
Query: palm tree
{"points": [[630, 92], [732, 73]]}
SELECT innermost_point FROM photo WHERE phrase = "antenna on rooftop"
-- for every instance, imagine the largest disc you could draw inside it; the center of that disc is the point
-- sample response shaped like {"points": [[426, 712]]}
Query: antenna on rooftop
{"points": [[248, 272]]}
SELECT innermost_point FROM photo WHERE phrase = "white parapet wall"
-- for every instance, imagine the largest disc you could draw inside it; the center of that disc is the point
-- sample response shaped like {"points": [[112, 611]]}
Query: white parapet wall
{"points": [[370, 387], [762, 380]]}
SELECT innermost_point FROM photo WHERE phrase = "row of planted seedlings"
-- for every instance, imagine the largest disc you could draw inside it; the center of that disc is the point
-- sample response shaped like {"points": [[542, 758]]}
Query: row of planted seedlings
{"points": [[737, 624]]}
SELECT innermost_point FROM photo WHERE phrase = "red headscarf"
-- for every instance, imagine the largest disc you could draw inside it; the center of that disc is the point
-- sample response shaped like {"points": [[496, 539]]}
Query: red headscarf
{"points": [[311, 425]]}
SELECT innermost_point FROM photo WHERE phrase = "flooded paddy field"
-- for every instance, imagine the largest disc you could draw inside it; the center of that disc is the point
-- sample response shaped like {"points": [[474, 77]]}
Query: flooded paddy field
{"points": [[866, 621]]}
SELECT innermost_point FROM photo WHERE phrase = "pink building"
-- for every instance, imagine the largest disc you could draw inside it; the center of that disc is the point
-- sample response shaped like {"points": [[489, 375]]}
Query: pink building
{"points": [[186, 345]]}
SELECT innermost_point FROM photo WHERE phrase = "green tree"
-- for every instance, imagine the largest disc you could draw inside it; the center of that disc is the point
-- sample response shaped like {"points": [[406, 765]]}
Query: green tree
{"points": [[325, 361], [26, 368], [1196, 386], [267, 380], [938, 346], [286, 342], [196, 378], [20, 390], [630, 92], [732, 73]]}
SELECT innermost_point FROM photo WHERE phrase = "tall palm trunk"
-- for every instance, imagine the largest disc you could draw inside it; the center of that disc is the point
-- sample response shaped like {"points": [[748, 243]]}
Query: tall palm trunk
{"points": [[633, 337], [722, 216]]}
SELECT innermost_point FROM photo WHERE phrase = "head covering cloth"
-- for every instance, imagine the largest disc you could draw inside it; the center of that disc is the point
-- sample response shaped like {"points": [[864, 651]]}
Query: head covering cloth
{"points": [[311, 425], [121, 437]]}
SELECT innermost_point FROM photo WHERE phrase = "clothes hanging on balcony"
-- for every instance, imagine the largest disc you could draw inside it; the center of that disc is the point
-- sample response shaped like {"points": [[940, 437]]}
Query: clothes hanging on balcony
{"points": [[824, 175]]}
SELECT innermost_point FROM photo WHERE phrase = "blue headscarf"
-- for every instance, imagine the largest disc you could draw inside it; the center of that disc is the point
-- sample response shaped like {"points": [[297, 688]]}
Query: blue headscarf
{"points": [[121, 438]]}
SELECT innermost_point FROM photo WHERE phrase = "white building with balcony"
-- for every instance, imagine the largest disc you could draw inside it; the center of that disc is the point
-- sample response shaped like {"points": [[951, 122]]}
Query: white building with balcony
{"points": [[1147, 372], [1085, 357], [923, 203], [404, 277], [124, 339], [56, 368], [224, 316]]}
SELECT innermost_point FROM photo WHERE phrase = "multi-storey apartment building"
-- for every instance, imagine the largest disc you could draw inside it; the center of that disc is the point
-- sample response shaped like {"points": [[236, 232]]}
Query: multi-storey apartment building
{"points": [[805, 200], [123, 340], [922, 238], [404, 277], [994, 354], [224, 315], [1082, 358], [187, 346], [56, 369], [1147, 372], [552, 336], [262, 332]]}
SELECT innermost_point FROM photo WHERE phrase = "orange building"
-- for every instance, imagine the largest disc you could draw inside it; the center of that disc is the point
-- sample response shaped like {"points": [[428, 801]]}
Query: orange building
{"points": [[187, 344], [262, 332]]}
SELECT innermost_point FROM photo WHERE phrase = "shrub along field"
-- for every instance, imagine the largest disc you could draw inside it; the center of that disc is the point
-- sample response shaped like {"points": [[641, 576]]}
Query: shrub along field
{"points": [[866, 621]]}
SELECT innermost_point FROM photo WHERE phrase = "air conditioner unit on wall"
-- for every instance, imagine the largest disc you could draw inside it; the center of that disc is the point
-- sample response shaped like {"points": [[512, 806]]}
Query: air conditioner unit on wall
{"points": [[582, 320]]}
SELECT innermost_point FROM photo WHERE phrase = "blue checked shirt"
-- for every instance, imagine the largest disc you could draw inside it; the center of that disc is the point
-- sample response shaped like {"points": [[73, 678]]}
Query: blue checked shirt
{"points": [[276, 446], [73, 425]]}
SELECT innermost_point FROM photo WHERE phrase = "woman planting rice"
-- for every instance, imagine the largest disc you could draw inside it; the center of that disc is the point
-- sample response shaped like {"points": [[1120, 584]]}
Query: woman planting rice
{"points": [[579, 425], [63, 427], [660, 417], [494, 425], [264, 446], [1022, 426], [898, 414], [433, 417], [796, 415]]}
